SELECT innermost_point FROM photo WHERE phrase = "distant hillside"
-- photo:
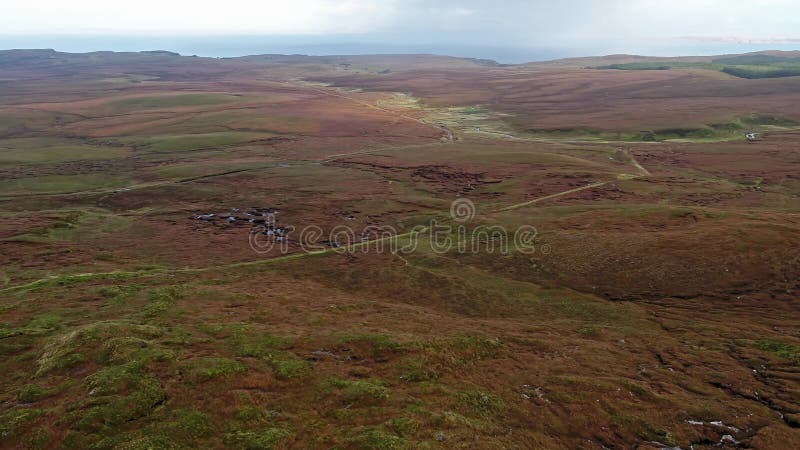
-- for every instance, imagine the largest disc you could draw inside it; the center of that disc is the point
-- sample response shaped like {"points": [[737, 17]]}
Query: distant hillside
{"points": [[20, 63], [592, 61], [165, 64], [392, 62], [751, 65]]}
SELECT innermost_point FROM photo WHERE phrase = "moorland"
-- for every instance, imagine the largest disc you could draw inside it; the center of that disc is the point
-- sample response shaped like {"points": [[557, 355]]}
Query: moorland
{"points": [[657, 306]]}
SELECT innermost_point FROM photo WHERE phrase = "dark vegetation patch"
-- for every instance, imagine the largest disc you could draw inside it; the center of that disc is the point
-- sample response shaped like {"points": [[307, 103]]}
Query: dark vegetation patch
{"points": [[745, 66]]}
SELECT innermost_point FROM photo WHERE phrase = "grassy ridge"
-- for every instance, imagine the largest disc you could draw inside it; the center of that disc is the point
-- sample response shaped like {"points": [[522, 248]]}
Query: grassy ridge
{"points": [[732, 130], [746, 66]]}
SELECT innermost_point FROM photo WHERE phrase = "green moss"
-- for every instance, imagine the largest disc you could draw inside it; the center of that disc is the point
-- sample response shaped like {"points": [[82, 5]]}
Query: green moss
{"points": [[68, 280], [39, 437], [403, 426], [781, 349], [378, 345], [359, 391], [244, 343], [462, 350], [450, 419], [343, 414], [417, 369], [251, 414], [189, 425], [11, 421], [117, 295], [47, 321], [62, 352], [118, 394], [286, 366], [265, 439], [124, 348], [375, 439], [149, 442], [481, 403], [212, 367], [38, 325], [590, 331], [162, 299], [69, 349], [638, 426], [31, 393]]}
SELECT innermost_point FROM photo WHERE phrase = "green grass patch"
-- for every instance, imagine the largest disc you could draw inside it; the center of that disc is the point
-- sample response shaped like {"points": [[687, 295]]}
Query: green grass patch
{"points": [[640, 427], [250, 344], [481, 404], [745, 66], [285, 366], [67, 280], [659, 65], [118, 395], [375, 345], [246, 121], [161, 299], [754, 59], [38, 325], [770, 121], [119, 294], [781, 349], [61, 184], [19, 122], [473, 110], [151, 438], [403, 426], [123, 390], [190, 142], [713, 132], [122, 349], [264, 439], [170, 101], [461, 350], [377, 439], [13, 420], [56, 154], [418, 369], [72, 348], [358, 391], [758, 72], [207, 368], [31, 393], [189, 425], [252, 414]]}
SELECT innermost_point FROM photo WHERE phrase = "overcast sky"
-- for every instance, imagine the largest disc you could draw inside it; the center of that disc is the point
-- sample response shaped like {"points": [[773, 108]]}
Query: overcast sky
{"points": [[593, 26]]}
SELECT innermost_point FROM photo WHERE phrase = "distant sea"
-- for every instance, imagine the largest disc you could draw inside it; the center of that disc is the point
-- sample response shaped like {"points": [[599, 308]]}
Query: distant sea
{"points": [[231, 46]]}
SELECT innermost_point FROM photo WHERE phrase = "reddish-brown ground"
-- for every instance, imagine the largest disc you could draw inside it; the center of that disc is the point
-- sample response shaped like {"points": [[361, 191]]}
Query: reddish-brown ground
{"points": [[659, 308]]}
